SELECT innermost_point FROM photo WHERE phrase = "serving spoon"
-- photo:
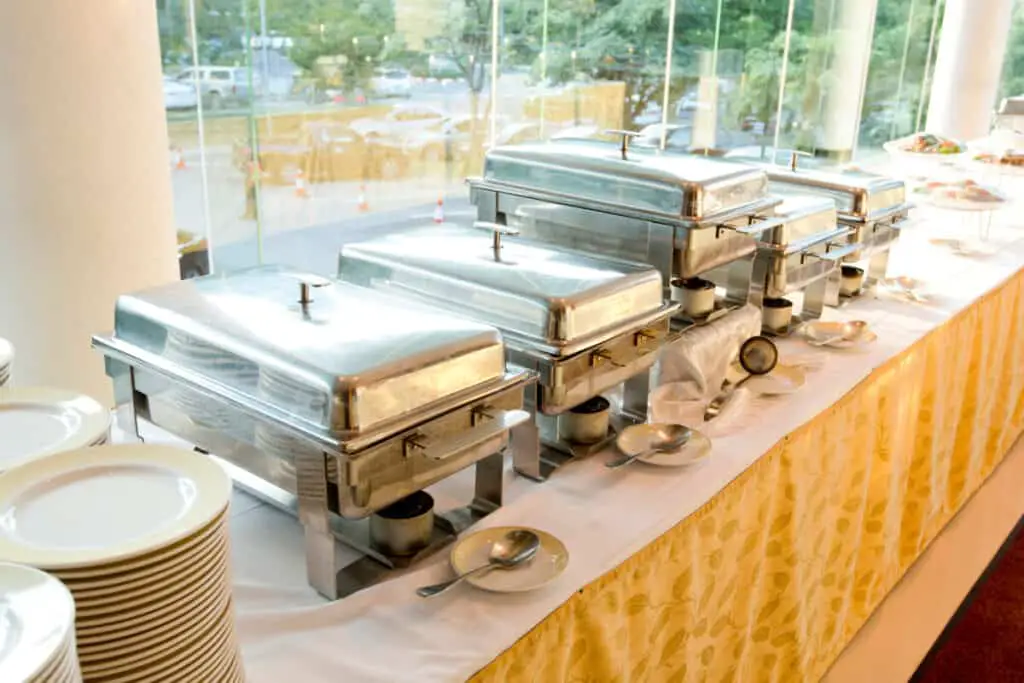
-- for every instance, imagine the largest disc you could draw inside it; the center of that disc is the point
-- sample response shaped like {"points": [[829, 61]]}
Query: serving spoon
{"points": [[511, 550], [670, 437]]}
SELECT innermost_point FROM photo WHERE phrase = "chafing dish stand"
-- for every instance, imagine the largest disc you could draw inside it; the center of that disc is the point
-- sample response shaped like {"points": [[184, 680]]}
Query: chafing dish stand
{"points": [[585, 324], [331, 407]]}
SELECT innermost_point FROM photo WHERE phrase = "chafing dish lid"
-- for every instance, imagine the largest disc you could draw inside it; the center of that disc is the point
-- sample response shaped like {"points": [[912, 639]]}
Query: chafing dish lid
{"points": [[858, 195], [527, 289], [348, 360], [1012, 106], [680, 188], [806, 218]]}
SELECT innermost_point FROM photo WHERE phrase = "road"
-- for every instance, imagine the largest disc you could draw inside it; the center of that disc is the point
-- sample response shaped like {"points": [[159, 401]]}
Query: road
{"points": [[315, 248]]}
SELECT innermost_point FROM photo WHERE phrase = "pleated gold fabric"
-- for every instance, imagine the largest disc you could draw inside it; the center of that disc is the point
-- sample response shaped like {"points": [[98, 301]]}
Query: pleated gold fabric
{"points": [[771, 579]]}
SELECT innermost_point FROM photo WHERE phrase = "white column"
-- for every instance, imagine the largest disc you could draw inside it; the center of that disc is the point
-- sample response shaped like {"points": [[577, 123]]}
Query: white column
{"points": [[970, 59], [85, 203], [853, 28]]}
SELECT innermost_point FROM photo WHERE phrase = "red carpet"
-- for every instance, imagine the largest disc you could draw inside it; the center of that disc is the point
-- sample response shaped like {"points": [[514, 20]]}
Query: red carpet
{"points": [[984, 642]]}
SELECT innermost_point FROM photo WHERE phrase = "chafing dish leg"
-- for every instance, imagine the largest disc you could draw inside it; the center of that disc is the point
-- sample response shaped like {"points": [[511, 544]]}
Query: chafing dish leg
{"points": [[878, 265], [738, 281], [759, 278], [489, 485], [833, 283], [814, 298], [635, 393], [127, 400], [314, 513], [524, 443]]}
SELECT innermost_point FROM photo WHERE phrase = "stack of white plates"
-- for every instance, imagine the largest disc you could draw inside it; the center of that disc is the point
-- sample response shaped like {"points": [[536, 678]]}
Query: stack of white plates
{"points": [[6, 361], [138, 533], [37, 628], [35, 422]]}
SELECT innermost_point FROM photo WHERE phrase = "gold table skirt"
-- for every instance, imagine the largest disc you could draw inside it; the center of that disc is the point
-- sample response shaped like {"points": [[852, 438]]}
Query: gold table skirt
{"points": [[771, 579]]}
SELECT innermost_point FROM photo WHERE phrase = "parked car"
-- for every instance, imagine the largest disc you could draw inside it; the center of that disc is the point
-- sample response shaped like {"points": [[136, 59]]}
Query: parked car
{"points": [[391, 83], [220, 85], [325, 151], [179, 95]]}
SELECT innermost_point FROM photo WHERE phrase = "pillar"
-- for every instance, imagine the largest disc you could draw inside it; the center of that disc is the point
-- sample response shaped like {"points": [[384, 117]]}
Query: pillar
{"points": [[965, 83], [852, 29], [85, 195]]}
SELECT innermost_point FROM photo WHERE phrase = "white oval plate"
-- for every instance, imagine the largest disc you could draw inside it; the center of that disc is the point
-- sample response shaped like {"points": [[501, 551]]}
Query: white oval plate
{"points": [[820, 330], [639, 438], [106, 504], [37, 422], [472, 551], [781, 381], [37, 618]]}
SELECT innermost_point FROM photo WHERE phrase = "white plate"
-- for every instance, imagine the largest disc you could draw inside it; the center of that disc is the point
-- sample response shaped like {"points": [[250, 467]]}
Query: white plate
{"points": [[37, 617], [782, 380], [472, 551], [963, 247], [820, 330], [100, 505], [904, 287], [641, 437], [37, 422]]}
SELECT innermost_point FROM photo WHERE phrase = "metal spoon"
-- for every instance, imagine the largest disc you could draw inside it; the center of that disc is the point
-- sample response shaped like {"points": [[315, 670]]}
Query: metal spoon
{"points": [[670, 437], [906, 286], [511, 550], [850, 331]]}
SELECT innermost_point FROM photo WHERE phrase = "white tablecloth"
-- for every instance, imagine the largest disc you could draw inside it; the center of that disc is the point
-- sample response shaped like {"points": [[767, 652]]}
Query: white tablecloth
{"points": [[386, 633]]}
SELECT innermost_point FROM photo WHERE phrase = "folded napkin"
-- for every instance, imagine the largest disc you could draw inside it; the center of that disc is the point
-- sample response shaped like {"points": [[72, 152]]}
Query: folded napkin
{"points": [[673, 403], [701, 356]]}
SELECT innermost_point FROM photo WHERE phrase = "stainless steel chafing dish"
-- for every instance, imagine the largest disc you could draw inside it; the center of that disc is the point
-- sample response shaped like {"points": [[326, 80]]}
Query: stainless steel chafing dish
{"points": [[802, 254], [586, 324], [325, 398], [686, 216], [874, 207]]}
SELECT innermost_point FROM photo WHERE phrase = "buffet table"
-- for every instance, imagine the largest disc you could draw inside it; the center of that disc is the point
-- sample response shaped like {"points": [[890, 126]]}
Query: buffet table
{"points": [[760, 564]]}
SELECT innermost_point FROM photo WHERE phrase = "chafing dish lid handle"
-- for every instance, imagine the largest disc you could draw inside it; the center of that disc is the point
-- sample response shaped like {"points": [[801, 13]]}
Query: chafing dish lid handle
{"points": [[626, 136], [497, 230], [795, 156], [306, 285]]}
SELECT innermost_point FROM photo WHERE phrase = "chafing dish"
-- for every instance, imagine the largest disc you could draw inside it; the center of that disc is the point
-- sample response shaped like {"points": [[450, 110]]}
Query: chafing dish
{"points": [[585, 323], [874, 206], [327, 399], [686, 216], [802, 254]]}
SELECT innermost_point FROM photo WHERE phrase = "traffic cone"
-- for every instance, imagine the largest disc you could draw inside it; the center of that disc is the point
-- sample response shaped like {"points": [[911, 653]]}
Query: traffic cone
{"points": [[439, 211], [300, 185], [364, 205], [179, 159]]}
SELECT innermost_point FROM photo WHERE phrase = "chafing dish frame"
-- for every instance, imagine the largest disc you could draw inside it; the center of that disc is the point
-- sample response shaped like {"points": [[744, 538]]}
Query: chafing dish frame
{"points": [[874, 230], [677, 246], [494, 414], [573, 373]]}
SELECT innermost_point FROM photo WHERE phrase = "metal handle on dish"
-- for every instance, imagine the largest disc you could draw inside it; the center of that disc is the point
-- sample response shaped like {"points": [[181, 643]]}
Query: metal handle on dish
{"points": [[756, 228], [833, 254], [499, 421], [626, 135]]}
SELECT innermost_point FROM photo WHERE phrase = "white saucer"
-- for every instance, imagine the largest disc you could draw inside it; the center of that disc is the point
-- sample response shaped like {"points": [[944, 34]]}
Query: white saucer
{"points": [[37, 621], [37, 422], [781, 381], [100, 505], [820, 330], [641, 437], [472, 551]]}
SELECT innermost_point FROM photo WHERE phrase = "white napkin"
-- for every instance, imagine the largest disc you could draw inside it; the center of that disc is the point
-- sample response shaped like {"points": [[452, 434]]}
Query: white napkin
{"points": [[701, 356], [673, 403]]}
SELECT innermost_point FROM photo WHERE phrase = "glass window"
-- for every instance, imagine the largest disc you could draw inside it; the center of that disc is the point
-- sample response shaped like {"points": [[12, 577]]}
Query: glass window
{"points": [[343, 118]]}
